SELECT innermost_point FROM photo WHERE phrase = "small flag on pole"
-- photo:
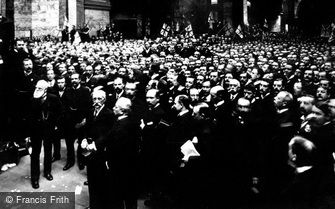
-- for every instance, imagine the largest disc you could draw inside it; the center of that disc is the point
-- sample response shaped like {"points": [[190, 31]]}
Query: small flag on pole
{"points": [[332, 35], [165, 30], [177, 26], [77, 39], [66, 22], [210, 20], [266, 25], [189, 31], [147, 28], [239, 32]]}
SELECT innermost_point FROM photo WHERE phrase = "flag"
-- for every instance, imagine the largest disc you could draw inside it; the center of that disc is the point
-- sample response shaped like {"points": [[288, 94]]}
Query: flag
{"points": [[66, 22], [332, 35], [210, 20], [77, 39], [189, 31], [276, 27], [165, 30], [239, 32], [147, 28], [266, 25], [177, 26], [325, 31]]}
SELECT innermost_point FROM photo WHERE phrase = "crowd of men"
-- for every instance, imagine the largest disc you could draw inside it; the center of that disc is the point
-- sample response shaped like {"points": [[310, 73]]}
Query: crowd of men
{"points": [[260, 115]]}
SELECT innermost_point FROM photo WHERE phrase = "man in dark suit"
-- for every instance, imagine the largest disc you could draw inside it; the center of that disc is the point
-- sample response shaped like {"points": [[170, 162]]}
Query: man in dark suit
{"points": [[122, 153], [234, 91], [45, 111], [153, 146], [117, 92], [286, 124], [77, 104], [301, 191], [179, 132], [25, 81], [98, 125], [59, 90]]}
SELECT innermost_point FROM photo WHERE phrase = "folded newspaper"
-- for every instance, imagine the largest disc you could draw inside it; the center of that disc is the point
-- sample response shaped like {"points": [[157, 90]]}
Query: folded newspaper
{"points": [[189, 150]]}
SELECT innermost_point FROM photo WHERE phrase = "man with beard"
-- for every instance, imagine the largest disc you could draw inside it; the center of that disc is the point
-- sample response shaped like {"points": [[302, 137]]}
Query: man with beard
{"points": [[19, 54], [194, 97], [77, 103], [97, 130], [306, 103], [308, 84], [87, 79], [25, 82], [278, 85], [153, 145], [138, 105], [116, 93], [45, 110], [205, 92]]}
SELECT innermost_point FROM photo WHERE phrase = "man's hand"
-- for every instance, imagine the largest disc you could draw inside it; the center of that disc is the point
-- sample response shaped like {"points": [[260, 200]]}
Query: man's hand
{"points": [[81, 124], [84, 143], [91, 146]]}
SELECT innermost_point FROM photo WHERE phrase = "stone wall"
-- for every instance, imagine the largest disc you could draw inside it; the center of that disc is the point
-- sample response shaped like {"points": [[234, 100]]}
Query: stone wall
{"points": [[22, 18], [95, 18], [45, 17], [36, 17]]}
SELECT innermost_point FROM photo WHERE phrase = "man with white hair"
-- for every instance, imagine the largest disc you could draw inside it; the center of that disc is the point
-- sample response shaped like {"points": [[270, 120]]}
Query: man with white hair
{"points": [[286, 123], [97, 129], [45, 111], [122, 156], [234, 90]]}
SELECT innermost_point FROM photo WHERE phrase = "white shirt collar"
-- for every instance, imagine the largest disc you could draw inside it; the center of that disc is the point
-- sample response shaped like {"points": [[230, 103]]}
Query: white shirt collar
{"points": [[303, 169], [183, 112], [282, 110], [99, 110], [122, 117]]}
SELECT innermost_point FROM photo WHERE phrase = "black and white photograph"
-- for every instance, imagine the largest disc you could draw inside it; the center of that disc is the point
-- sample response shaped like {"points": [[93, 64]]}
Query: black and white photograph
{"points": [[167, 104]]}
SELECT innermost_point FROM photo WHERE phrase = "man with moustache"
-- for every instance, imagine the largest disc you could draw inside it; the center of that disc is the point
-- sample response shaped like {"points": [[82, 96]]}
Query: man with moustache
{"points": [[322, 95], [97, 128], [117, 92], [45, 110], [77, 104], [153, 145], [25, 82], [59, 90]]}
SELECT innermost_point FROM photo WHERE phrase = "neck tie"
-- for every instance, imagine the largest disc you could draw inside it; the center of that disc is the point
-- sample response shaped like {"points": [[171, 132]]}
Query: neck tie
{"points": [[96, 112]]}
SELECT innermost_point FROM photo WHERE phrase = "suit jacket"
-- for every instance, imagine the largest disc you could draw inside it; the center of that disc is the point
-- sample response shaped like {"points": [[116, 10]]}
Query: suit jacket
{"points": [[181, 129], [98, 128], [153, 132], [112, 98], [77, 104], [44, 116], [122, 146]]}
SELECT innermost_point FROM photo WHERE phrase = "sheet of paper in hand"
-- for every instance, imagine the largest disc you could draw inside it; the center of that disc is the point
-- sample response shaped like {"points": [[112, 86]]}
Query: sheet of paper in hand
{"points": [[188, 150]]}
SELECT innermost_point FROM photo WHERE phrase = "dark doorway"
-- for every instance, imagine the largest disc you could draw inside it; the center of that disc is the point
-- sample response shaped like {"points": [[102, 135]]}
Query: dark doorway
{"points": [[128, 27]]}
